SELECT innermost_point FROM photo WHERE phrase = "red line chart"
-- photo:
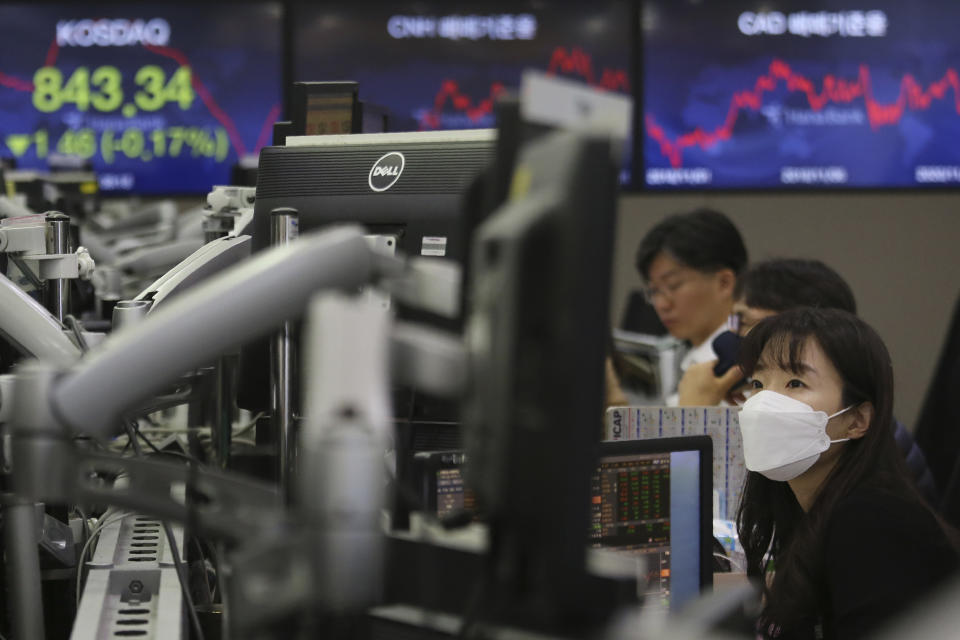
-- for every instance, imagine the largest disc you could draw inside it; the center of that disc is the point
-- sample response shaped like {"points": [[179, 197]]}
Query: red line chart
{"points": [[573, 62], [266, 131], [578, 62], [15, 83], [199, 87], [52, 53], [180, 58], [450, 90], [834, 90]]}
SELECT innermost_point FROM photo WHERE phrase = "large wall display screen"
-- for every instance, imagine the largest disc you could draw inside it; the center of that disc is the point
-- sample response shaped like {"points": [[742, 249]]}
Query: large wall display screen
{"points": [[440, 65], [159, 98], [796, 95]]}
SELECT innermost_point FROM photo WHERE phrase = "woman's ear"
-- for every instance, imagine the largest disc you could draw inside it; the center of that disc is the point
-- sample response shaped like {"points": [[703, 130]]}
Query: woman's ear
{"points": [[861, 417]]}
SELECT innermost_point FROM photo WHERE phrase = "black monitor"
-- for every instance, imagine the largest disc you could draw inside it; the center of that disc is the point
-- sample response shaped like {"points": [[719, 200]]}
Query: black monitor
{"points": [[325, 108], [651, 500], [374, 118], [537, 330], [406, 185], [438, 477], [407, 188]]}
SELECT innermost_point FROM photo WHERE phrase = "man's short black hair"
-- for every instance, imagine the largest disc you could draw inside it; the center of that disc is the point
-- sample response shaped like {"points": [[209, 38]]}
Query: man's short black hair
{"points": [[786, 283], [702, 239]]}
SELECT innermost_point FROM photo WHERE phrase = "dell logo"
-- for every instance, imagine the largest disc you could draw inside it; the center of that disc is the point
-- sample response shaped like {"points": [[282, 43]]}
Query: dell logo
{"points": [[386, 171]]}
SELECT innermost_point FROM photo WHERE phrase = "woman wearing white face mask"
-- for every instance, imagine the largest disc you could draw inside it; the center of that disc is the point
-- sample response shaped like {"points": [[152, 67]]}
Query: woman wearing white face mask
{"points": [[827, 494]]}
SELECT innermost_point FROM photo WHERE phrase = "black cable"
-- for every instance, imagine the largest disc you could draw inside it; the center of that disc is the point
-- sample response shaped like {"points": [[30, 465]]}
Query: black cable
{"points": [[182, 576], [135, 427], [74, 326], [132, 431], [470, 615], [203, 563]]}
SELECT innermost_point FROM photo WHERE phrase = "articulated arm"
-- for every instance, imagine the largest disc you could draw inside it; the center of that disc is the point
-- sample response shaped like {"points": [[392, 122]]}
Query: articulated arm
{"points": [[227, 310], [32, 328], [203, 263]]}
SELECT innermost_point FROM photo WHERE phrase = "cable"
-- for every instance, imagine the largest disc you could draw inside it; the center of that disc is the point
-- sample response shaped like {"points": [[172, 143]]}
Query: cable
{"points": [[736, 565], [470, 617], [250, 425], [86, 523], [134, 435], [203, 562], [105, 520], [131, 428], [74, 325], [182, 576]]}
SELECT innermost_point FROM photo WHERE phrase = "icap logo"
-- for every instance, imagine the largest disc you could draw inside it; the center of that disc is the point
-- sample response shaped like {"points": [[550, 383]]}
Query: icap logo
{"points": [[386, 171]]}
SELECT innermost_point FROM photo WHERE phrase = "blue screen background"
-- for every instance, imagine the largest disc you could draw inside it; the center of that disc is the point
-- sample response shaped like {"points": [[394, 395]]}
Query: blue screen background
{"points": [[448, 83], [234, 52], [697, 62]]}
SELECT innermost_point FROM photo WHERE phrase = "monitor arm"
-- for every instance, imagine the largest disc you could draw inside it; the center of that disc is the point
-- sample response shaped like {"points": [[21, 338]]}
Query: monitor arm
{"points": [[209, 259], [270, 578], [32, 328], [225, 311]]}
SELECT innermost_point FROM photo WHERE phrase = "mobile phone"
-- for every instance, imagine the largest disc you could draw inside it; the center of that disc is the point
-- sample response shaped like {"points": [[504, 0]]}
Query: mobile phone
{"points": [[727, 347]]}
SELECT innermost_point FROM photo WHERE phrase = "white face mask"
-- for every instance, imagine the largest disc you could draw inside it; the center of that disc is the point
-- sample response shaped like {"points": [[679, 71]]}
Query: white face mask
{"points": [[783, 437]]}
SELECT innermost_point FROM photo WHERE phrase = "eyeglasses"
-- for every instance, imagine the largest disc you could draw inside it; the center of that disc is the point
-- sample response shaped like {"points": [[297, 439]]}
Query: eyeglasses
{"points": [[667, 291]]}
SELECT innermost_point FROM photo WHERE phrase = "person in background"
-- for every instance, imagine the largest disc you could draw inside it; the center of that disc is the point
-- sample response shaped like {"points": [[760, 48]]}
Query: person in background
{"points": [[762, 290], [832, 528], [771, 287], [689, 263]]}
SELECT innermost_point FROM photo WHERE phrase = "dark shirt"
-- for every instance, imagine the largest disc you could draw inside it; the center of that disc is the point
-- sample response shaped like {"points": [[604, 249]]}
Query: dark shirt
{"points": [[882, 553], [916, 465]]}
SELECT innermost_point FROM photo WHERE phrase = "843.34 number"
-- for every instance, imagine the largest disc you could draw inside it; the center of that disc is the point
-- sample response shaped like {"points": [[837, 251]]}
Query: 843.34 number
{"points": [[102, 88]]}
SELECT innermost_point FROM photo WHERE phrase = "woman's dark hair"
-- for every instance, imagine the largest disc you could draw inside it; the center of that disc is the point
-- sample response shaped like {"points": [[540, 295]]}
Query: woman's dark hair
{"points": [[781, 284], [703, 239], [769, 517]]}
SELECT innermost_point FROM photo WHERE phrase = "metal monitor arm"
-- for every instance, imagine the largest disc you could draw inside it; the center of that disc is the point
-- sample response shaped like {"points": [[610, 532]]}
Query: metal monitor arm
{"points": [[52, 403]]}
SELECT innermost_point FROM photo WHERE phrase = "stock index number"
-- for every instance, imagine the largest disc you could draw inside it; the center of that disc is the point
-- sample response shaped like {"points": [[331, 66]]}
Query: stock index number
{"points": [[102, 89]]}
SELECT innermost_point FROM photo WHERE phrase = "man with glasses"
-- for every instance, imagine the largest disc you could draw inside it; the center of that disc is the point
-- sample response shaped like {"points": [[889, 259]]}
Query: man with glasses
{"points": [[689, 263]]}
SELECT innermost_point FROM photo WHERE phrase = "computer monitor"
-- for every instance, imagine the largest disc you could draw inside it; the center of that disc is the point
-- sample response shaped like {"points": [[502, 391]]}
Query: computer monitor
{"points": [[439, 480], [325, 108], [651, 499], [791, 95], [405, 185], [536, 331], [408, 189], [159, 98], [440, 65]]}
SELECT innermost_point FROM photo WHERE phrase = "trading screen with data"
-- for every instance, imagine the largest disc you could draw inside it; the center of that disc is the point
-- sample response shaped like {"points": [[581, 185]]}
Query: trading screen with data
{"points": [[440, 65], [791, 94], [154, 97], [647, 506]]}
